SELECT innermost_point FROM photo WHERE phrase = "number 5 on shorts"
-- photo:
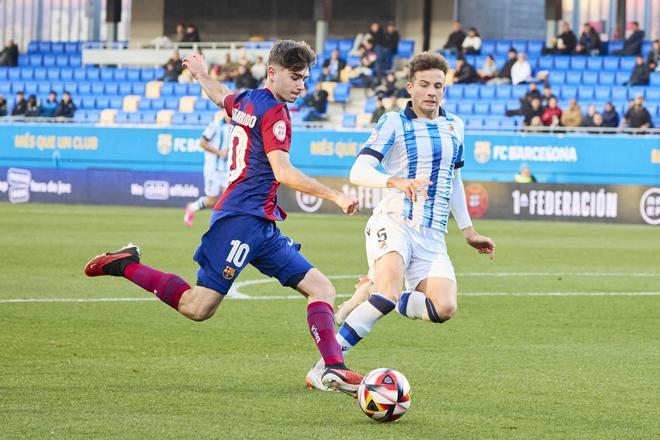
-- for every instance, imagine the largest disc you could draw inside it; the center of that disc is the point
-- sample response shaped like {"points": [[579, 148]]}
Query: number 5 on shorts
{"points": [[238, 253]]}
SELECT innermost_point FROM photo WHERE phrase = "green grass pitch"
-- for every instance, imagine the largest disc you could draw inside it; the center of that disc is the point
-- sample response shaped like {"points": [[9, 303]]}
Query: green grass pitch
{"points": [[530, 354]]}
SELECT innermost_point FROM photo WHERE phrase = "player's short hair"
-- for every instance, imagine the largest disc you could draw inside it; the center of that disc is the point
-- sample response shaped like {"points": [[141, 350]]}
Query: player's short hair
{"points": [[292, 55], [427, 61]]}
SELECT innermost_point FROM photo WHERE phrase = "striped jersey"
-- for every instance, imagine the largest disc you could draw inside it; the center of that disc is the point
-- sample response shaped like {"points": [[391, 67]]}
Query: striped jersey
{"points": [[217, 135], [417, 148]]}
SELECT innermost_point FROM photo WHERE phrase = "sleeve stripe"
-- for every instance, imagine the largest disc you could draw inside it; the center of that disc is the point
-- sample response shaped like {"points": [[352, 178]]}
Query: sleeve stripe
{"points": [[206, 139], [459, 164], [372, 152]]}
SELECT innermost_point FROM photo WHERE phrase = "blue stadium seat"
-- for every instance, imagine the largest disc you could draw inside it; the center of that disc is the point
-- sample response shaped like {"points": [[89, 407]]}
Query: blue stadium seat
{"points": [[602, 93], [107, 74], [79, 75], [4, 72], [546, 63], [23, 61], [44, 46], [578, 63], [646, 48], [557, 77], [116, 102], [451, 107], [508, 123], [619, 93], [519, 91], [30, 88], [589, 78], [26, 73], [167, 89], [85, 88], [471, 92], [71, 87], [655, 79], [627, 64], [487, 92], [519, 45], [535, 47], [172, 103], [562, 62], [488, 47], [93, 73], [14, 74], [452, 92], [33, 46], [492, 122], [614, 46], [636, 91], [497, 107], [349, 120], [568, 92], [180, 89], [481, 108], [345, 47], [652, 94], [17, 86], [43, 88], [194, 89], [502, 46], [330, 45], [125, 88], [406, 48], [611, 63], [134, 118], [93, 116], [98, 88], [158, 104], [133, 74], [342, 92], [586, 92], [464, 108], [595, 63], [66, 74], [138, 89], [149, 117], [88, 102], [204, 117], [102, 102], [80, 116], [53, 74], [57, 47], [71, 47], [5, 88], [121, 117], [35, 59], [178, 119], [144, 104], [120, 74], [573, 77], [61, 60], [606, 78], [147, 74], [369, 104], [474, 122], [622, 77], [503, 91]]}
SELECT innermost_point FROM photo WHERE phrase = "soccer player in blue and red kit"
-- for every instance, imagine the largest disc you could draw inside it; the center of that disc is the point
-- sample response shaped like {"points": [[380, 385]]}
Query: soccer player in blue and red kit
{"points": [[242, 228]]}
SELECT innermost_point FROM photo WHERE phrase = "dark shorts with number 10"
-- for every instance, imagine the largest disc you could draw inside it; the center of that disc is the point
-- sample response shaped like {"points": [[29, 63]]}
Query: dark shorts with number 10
{"points": [[236, 240]]}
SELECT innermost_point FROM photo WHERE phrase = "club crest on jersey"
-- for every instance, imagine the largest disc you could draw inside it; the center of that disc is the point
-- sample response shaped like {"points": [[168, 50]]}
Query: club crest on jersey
{"points": [[229, 272], [279, 130]]}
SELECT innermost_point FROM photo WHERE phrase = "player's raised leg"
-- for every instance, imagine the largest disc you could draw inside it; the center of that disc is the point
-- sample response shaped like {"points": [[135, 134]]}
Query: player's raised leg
{"points": [[434, 300]]}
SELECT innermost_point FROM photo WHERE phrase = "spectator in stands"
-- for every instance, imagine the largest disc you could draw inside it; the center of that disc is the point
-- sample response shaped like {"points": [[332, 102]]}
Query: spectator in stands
{"points": [[521, 71], [597, 121], [229, 68], [534, 110], [192, 34], [32, 108], [317, 102], [454, 44], [245, 80], [526, 101], [572, 116], [640, 74], [472, 42], [633, 44], [67, 108], [547, 94], [3, 106], [20, 105], [504, 75], [610, 116], [365, 70], [488, 69], [378, 111], [552, 114], [565, 42], [49, 106], [391, 40], [9, 55], [524, 174], [176, 62], [388, 87], [589, 43], [588, 120], [465, 73], [653, 59], [375, 34], [258, 69], [170, 74], [335, 65], [637, 115], [180, 33]]}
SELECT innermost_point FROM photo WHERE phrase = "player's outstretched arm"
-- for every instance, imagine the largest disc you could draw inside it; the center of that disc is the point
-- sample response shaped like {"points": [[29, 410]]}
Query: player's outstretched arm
{"points": [[288, 175], [215, 90], [459, 210], [364, 173]]}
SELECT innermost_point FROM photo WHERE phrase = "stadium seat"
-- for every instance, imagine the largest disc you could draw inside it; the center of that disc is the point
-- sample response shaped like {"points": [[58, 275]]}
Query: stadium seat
{"points": [[471, 92], [491, 123], [481, 108], [655, 79], [4, 72], [595, 63], [66, 74], [125, 88], [98, 88], [133, 74], [53, 74], [578, 63], [602, 93], [568, 92], [121, 117], [180, 89], [130, 103], [187, 104], [586, 93], [345, 46], [614, 46], [88, 102], [606, 78], [508, 123], [488, 47], [30, 88], [573, 78], [33, 46], [116, 102], [589, 78], [497, 107], [43, 88], [44, 46], [120, 74], [148, 117], [369, 104], [26, 73], [474, 122], [557, 77], [61, 60], [329, 46], [158, 103], [107, 116], [464, 108], [102, 102], [137, 89], [502, 47], [406, 48], [35, 59], [85, 88], [619, 93], [622, 77], [451, 106], [194, 89], [627, 64], [80, 116], [93, 73], [178, 119], [561, 62], [5, 88], [147, 74], [487, 92], [48, 60], [503, 91], [611, 63], [75, 60], [201, 105], [535, 47], [342, 92], [167, 89], [452, 92], [144, 104], [79, 75], [71, 87], [519, 91], [546, 63], [634, 92], [349, 120], [14, 74], [71, 47], [57, 47], [107, 74], [172, 103], [164, 117], [652, 94], [512, 104]]}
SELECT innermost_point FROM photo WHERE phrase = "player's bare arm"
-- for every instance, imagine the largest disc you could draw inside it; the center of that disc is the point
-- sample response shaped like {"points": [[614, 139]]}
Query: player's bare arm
{"points": [[364, 173], [292, 177], [222, 153], [198, 68]]}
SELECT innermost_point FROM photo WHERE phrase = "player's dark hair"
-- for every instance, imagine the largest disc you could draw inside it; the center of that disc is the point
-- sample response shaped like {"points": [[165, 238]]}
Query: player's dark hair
{"points": [[427, 61], [292, 55]]}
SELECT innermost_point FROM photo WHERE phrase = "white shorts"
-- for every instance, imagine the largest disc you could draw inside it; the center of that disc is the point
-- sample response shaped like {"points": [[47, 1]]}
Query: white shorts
{"points": [[214, 182], [423, 249]]}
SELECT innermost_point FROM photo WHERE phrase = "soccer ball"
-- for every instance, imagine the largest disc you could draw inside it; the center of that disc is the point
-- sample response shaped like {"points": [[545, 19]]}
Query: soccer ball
{"points": [[384, 395]]}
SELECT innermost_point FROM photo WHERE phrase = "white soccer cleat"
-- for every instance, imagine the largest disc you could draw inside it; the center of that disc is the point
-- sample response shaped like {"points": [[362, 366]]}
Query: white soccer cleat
{"points": [[361, 294], [314, 375]]}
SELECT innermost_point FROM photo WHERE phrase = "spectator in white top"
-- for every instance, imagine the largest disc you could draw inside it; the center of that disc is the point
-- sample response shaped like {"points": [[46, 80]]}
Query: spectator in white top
{"points": [[521, 71], [472, 43], [258, 70]]}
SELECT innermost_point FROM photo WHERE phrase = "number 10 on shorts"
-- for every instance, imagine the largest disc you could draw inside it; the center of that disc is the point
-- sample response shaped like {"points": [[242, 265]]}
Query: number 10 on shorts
{"points": [[238, 253]]}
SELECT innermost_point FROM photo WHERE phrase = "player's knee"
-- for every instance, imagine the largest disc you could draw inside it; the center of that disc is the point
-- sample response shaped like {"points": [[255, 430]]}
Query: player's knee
{"points": [[200, 315], [440, 312], [326, 292]]}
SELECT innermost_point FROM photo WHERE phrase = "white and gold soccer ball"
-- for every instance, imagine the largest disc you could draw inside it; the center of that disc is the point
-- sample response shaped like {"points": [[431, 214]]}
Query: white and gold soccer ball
{"points": [[384, 395]]}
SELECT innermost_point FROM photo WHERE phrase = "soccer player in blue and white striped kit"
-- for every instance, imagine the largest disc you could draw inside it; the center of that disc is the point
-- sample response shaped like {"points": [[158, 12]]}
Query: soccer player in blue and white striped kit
{"points": [[421, 150]]}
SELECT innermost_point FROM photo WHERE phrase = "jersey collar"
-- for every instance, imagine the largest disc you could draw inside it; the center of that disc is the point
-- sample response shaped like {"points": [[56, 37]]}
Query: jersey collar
{"points": [[410, 114]]}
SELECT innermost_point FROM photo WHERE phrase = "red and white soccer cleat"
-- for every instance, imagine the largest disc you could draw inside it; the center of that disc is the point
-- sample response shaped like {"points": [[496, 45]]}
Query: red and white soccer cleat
{"points": [[113, 263], [189, 216], [314, 375], [346, 381]]}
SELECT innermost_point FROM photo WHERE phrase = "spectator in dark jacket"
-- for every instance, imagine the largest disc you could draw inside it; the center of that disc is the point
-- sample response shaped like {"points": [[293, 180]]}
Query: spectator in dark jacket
{"points": [[3, 106], [565, 42], [504, 75], [176, 62], [454, 43], [589, 43], [20, 106], [245, 80], [49, 106], [640, 73], [317, 101], [335, 65], [547, 94], [633, 44], [192, 34], [67, 108], [532, 111], [653, 59], [391, 39], [388, 87], [9, 55], [610, 116], [465, 73], [379, 111], [637, 115], [32, 107]]}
